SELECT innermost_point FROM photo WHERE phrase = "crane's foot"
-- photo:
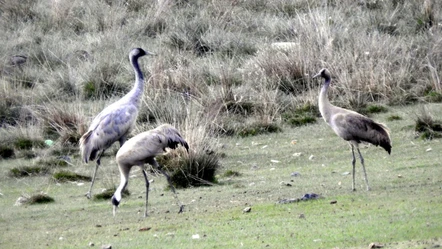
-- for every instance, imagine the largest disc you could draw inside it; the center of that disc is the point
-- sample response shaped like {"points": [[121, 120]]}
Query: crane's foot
{"points": [[88, 195], [181, 209]]}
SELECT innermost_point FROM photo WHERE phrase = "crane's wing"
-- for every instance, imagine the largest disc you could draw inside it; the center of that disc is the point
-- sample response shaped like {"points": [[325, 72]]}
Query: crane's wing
{"points": [[106, 128], [147, 145], [360, 128]]}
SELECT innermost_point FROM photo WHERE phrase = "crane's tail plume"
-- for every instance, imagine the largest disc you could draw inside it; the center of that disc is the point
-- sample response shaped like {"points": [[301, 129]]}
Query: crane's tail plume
{"points": [[380, 135], [86, 148]]}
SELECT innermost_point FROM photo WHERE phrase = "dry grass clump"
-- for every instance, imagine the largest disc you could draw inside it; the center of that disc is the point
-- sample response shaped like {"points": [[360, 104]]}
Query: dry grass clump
{"points": [[61, 122], [107, 194], [25, 171], [426, 126], [69, 176]]}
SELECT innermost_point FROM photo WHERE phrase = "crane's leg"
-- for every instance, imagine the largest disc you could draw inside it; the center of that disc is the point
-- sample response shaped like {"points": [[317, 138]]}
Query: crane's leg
{"points": [[353, 162], [363, 169], [170, 184], [89, 193], [147, 190]]}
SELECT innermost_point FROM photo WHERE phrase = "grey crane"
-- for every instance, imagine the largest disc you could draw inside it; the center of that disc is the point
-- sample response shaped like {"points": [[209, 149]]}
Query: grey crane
{"points": [[115, 122], [352, 126], [142, 149]]}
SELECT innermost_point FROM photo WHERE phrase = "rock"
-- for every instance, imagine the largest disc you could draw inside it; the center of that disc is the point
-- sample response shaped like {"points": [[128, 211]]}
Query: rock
{"points": [[247, 210], [295, 174], [334, 202], [21, 200], [144, 229]]}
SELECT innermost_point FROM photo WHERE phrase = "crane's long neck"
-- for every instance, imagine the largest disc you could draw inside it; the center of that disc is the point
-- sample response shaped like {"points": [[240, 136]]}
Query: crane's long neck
{"points": [[324, 103], [122, 186], [137, 90]]}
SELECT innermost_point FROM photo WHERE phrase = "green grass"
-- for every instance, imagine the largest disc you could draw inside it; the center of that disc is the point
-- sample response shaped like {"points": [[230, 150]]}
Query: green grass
{"points": [[401, 211], [218, 73]]}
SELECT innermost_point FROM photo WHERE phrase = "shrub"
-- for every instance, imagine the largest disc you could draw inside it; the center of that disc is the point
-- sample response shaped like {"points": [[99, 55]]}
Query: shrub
{"points": [[196, 170], [303, 115], [394, 117], [257, 129], [427, 127], [231, 173], [6, 152], [433, 96], [108, 193], [52, 163], [24, 171], [40, 199], [371, 109], [66, 176], [23, 143]]}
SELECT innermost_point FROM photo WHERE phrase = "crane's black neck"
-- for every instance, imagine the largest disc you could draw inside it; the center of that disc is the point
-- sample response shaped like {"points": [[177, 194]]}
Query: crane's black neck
{"points": [[137, 90]]}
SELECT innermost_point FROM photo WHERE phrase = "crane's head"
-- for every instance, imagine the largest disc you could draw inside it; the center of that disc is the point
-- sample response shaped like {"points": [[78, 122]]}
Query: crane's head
{"points": [[115, 202], [324, 73], [138, 52]]}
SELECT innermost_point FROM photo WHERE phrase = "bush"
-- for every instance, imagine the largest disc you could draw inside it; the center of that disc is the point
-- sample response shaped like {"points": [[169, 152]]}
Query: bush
{"points": [[427, 127], [6, 152], [67, 176], [24, 171], [303, 115], [231, 173], [108, 193], [195, 170], [40, 199]]}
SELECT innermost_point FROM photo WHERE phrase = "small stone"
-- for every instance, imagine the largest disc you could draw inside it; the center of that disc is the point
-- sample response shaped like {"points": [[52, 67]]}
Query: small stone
{"points": [[334, 202], [302, 216], [295, 174], [247, 210], [195, 236], [274, 161], [106, 246], [311, 157], [429, 149], [21, 200], [144, 229], [91, 244]]}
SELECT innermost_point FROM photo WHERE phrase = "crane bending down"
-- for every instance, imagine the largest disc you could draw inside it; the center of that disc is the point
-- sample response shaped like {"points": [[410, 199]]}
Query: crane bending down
{"points": [[142, 149], [115, 122], [352, 126]]}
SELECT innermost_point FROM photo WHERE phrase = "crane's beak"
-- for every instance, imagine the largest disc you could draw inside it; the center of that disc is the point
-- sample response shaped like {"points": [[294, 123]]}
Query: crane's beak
{"points": [[150, 53], [114, 210], [319, 74]]}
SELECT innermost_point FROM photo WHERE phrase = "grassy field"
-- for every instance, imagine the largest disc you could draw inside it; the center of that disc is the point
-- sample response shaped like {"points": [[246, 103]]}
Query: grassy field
{"points": [[402, 210], [235, 77]]}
